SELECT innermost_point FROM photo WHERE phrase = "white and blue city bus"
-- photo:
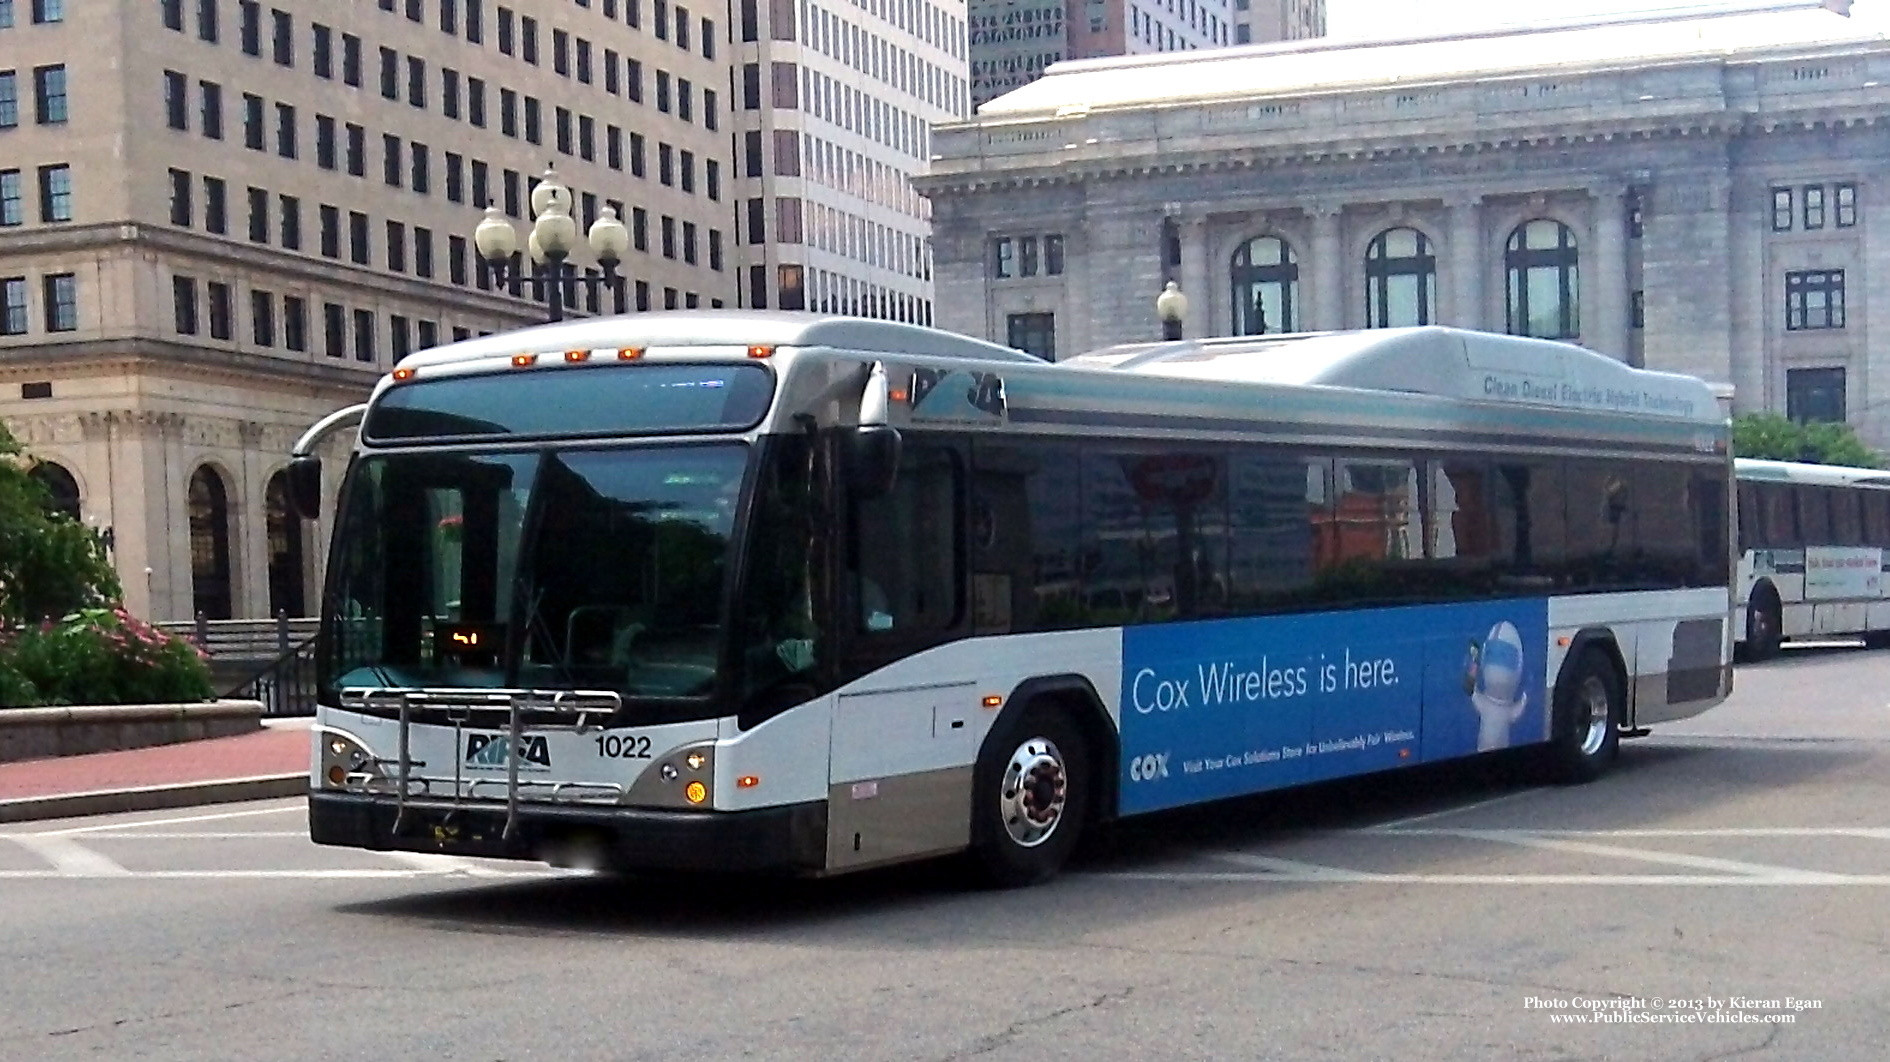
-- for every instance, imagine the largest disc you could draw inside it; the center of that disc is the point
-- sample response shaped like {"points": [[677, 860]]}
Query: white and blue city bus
{"points": [[1814, 546], [762, 591]]}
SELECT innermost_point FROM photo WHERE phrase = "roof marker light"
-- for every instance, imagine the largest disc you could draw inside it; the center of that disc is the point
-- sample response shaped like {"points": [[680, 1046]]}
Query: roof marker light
{"points": [[629, 353], [577, 355], [520, 361], [402, 375], [761, 352]]}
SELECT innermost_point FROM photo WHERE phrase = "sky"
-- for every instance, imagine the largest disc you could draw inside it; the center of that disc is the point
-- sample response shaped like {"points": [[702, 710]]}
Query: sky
{"points": [[1382, 18]]}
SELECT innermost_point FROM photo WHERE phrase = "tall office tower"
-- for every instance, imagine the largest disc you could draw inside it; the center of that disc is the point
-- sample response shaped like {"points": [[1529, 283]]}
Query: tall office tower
{"points": [[222, 219], [835, 103], [1257, 21], [1012, 41]]}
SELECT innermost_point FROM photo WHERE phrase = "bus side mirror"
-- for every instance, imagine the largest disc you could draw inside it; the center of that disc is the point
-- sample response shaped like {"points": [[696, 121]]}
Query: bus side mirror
{"points": [[873, 460], [304, 481]]}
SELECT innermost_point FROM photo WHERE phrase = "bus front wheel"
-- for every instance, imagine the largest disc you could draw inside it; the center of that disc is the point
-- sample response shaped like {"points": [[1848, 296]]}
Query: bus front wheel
{"points": [[1763, 629], [1030, 799], [1589, 705]]}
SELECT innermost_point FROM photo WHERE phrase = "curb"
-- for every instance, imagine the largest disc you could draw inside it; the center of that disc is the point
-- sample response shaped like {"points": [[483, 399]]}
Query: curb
{"points": [[153, 798]]}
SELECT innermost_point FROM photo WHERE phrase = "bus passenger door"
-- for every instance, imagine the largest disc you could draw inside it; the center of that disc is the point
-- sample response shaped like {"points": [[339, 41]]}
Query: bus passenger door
{"points": [[906, 721]]}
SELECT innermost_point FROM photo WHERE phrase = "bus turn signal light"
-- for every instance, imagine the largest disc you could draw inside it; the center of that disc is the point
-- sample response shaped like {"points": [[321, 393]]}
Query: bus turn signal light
{"points": [[748, 781], [696, 792], [629, 353], [992, 700], [761, 352], [577, 355], [402, 375], [520, 361]]}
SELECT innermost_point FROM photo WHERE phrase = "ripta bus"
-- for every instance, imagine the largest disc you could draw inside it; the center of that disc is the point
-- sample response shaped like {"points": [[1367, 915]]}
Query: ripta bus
{"points": [[1814, 545], [756, 591]]}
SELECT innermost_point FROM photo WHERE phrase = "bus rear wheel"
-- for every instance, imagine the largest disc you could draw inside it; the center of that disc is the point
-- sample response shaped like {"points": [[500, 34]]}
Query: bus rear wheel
{"points": [[1763, 633], [1589, 705], [1030, 799]]}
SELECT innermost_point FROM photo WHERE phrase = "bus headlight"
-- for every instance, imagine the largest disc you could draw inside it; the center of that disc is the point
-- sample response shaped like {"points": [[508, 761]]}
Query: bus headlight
{"points": [[343, 756]]}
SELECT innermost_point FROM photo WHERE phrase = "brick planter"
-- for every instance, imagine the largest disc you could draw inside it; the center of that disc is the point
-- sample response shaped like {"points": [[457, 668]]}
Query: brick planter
{"points": [[37, 733]]}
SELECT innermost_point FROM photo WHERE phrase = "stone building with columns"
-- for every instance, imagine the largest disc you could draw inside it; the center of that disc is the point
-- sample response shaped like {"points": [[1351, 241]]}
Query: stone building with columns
{"points": [[1698, 192]]}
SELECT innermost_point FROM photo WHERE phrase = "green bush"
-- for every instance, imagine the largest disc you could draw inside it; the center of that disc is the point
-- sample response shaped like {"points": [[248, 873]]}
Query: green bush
{"points": [[1771, 436], [99, 656]]}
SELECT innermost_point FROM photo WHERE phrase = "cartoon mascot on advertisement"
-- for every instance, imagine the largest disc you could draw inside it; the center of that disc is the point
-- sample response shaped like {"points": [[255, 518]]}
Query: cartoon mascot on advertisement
{"points": [[1493, 679]]}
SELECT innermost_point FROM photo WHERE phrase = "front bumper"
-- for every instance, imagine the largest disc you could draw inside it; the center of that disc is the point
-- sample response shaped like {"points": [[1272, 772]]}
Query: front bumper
{"points": [[790, 839]]}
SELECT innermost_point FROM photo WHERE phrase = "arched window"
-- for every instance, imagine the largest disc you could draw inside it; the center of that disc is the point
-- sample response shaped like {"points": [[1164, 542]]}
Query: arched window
{"points": [[1400, 280], [62, 491], [209, 544], [1266, 287], [284, 528], [1543, 294]]}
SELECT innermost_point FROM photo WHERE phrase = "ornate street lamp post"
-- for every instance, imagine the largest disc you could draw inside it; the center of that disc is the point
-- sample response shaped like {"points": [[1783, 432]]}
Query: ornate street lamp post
{"points": [[549, 244], [1171, 306]]}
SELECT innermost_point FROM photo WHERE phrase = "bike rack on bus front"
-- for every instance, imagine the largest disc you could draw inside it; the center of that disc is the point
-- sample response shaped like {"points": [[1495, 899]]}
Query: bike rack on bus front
{"points": [[578, 710]]}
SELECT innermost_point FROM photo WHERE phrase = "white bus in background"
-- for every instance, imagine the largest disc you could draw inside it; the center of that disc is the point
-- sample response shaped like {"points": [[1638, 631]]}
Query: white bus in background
{"points": [[761, 591], [1814, 546]]}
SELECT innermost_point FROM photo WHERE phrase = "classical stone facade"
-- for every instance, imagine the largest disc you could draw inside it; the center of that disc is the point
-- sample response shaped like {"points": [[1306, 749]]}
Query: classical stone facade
{"points": [[1702, 194]]}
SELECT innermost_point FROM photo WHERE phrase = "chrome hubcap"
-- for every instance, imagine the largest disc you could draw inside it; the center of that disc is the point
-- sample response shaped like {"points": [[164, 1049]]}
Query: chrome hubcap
{"points": [[1033, 791], [1594, 714]]}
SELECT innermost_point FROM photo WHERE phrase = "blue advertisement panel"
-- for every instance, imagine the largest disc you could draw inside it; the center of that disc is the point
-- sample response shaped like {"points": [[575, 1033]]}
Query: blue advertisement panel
{"points": [[1224, 707]]}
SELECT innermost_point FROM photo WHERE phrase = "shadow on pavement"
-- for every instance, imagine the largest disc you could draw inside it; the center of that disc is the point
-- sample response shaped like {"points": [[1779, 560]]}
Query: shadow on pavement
{"points": [[938, 902]]}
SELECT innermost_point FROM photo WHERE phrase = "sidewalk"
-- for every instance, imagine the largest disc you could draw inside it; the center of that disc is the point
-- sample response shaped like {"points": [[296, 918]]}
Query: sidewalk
{"points": [[270, 763]]}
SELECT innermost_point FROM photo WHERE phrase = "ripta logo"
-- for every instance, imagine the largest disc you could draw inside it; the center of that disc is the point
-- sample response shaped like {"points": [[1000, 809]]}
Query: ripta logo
{"points": [[490, 750]]}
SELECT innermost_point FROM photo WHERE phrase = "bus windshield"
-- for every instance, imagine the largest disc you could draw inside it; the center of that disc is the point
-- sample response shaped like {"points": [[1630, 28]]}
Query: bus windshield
{"points": [[595, 568]]}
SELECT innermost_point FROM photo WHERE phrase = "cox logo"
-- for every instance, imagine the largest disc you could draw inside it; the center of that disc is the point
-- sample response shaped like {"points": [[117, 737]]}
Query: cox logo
{"points": [[1148, 768]]}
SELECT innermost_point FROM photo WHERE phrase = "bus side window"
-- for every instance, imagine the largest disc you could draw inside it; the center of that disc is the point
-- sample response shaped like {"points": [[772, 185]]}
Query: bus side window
{"points": [[1270, 562], [1601, 520], [1751, 518], [1709, 522], [1876, 518], [907, 547], [1814, 516], [1666, 525], [1459, 517], [1847, 527]]}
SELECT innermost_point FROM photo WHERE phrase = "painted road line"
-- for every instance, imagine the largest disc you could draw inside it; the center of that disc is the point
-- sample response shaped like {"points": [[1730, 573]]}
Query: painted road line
{"points": [[194, 835], [1364, 878], [1400, 824], [298, 806], [1526, 839], [209, 875], [442, 864], [69, 858], [1878, 833], [1287, 867]]}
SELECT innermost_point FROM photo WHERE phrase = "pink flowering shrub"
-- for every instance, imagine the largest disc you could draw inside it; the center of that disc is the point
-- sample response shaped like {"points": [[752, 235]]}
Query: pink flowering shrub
{"points": [[99, 656]]}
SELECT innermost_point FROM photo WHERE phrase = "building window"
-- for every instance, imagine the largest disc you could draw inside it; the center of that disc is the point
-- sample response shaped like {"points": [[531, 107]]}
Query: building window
{"points": [[294, 323], [181, 213], [249, 27], [1400, 280], [1781, 210], [262, 317], [176, 103], [219, 299], [1814, 299], [12, 306], [358, 250], [207, 20], [209, 509], [1003, 258], [291, 207], [351, 60], [212, 96], [62, 302], [334, 330], [283, 44], [9, 99], [1814, 394], [364, 336], [331, 231], [357, 150], [1814, 206], [1053, 255], [396, 247], [215, 209], [285, 130], [1542, 262], [55, 193], [1266, 287], [252, 122], [1845, 195], [1033, 333], [323, 57], [49, 94], [184, 305], [11, 212]]}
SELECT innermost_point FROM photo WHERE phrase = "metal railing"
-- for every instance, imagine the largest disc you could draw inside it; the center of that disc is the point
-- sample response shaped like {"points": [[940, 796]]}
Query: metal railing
{"points": [[286, 685]]}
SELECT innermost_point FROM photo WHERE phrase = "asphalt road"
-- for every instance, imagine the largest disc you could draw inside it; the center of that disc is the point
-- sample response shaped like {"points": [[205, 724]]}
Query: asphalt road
{"points": [[1740, 862]]}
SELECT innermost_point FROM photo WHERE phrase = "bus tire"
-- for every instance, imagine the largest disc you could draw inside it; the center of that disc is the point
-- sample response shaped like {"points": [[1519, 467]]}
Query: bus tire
{"points": [[1763, 629], [1030, 798], [1590, 703]]}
